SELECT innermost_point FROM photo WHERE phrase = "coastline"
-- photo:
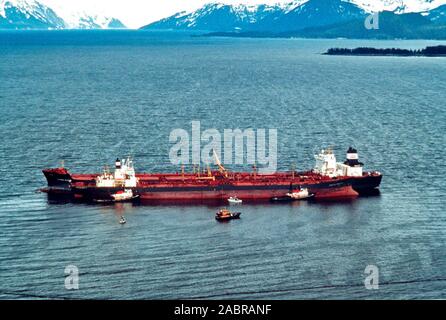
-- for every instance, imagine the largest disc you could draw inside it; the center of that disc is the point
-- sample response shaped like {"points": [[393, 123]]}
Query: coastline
{"points": [[430, 51]]}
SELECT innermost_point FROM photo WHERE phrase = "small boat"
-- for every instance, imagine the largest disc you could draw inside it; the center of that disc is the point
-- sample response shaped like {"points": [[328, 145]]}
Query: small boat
{"points": [[298, 194], [124, 195], [225, 215], [122, 220], [234, 200]]}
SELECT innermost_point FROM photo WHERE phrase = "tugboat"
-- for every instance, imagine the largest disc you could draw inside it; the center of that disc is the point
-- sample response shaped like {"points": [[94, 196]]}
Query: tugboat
{"points": [[124, 195], [300, 194], [234, 200], [226, 215], [293, 195]]}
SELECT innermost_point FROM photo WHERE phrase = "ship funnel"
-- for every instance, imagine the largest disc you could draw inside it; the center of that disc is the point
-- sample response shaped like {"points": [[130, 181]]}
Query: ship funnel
{"points": [[118, 163], [352, 158]]}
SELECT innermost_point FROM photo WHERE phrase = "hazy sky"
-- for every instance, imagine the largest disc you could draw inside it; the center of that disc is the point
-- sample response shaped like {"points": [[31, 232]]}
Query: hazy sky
{"points": [[136, 13]]}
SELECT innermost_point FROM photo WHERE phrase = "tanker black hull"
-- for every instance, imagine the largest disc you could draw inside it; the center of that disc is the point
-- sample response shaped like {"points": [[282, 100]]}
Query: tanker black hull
{"points": [[366, 185]]}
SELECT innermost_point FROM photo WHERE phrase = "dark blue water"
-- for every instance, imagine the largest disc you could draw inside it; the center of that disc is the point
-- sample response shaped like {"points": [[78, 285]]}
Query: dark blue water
{"points": [[88, 97]]}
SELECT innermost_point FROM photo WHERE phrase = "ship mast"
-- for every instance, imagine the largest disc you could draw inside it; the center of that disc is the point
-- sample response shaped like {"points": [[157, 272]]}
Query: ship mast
{"points": [[220, 166]]}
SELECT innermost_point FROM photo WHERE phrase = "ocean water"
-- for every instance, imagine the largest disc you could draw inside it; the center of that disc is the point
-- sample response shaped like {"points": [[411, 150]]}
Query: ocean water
{"points": [[88, 97]]}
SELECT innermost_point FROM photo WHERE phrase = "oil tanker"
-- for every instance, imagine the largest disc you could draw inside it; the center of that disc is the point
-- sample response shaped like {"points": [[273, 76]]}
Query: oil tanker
{"points": [[328, 179]]}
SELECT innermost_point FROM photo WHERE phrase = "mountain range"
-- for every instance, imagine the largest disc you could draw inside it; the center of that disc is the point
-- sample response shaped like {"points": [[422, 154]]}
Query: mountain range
{"points": [[411, 19], [32, 14], [315, 18]]}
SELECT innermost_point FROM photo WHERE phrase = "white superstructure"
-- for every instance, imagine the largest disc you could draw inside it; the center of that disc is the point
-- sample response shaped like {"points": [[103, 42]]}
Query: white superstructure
{"points": [[326, 164], [124, 176]]}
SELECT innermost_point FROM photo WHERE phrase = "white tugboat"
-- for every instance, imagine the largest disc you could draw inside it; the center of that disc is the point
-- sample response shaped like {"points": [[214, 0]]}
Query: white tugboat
{"points": [[299, 194], [123, 195], [293, 195], [234, 200]]}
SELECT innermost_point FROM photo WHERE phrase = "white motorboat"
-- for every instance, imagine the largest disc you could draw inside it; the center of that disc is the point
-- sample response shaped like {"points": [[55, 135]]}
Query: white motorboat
{"points": [[234, 200], [299, 194], [123, 195]]}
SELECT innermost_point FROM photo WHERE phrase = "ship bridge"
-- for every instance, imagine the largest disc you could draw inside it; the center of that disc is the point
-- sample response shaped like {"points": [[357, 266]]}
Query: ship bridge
{"points": [[326, 164]]}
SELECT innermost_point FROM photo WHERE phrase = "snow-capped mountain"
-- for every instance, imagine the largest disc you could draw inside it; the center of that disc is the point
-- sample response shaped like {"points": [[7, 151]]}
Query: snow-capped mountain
{"points": [[79, 19], [438, 15], [218, 16], [28, 14], [83, 20], [286, 16], [398, 6], [315, 13], [32, 14]]}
